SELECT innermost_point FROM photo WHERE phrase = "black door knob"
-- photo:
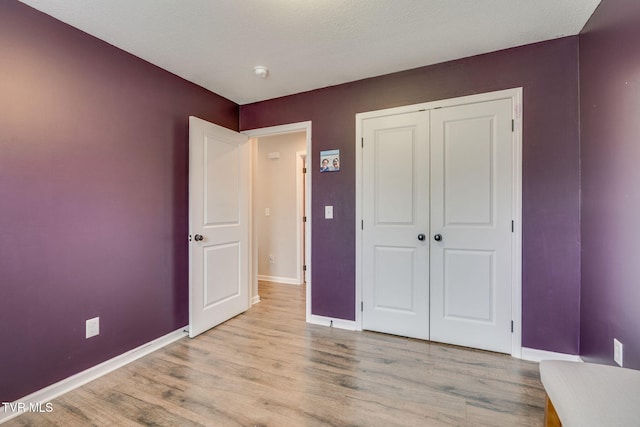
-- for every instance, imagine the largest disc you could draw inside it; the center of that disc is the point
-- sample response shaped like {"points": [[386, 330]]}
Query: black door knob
{"points": [[198, 237], [421, 237], [437, 237]]}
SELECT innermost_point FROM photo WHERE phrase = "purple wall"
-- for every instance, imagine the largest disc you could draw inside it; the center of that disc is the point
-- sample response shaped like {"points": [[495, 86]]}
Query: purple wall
{"points": [[551, 253], [610, 145], [93, 187]]}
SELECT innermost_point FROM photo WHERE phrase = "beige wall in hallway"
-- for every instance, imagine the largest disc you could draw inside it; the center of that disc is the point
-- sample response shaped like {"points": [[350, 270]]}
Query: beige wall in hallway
{"points": [[276, 190]]}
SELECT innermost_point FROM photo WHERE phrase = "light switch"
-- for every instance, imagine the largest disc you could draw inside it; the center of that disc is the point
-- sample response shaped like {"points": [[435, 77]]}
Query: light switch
{"points": [[328, 212]]}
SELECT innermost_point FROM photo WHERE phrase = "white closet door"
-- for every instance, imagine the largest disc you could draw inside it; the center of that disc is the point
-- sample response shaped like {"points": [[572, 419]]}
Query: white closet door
{"points": [[395, 201], [471, 204]]}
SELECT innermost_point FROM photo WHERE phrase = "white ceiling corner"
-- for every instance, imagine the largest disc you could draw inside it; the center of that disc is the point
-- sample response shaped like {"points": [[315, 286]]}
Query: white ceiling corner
{"points": [[310, 44]]}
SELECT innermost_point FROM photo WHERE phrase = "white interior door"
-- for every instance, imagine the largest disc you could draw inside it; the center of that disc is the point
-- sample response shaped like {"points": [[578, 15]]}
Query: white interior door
{"points": [[471, 225], [219, 176], [395, 201]]}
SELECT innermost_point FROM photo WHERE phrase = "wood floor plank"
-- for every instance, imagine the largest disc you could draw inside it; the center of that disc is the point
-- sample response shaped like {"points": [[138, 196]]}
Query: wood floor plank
{"points": [[268, 367]]}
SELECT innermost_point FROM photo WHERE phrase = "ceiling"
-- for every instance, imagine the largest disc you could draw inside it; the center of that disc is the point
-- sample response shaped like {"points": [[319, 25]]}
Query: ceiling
{"points": [[310, 44]]}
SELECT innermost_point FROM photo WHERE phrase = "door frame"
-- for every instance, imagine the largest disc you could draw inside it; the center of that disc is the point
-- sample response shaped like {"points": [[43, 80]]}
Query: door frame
{"points": [[515, 95], [301, 208], [254, 135]]}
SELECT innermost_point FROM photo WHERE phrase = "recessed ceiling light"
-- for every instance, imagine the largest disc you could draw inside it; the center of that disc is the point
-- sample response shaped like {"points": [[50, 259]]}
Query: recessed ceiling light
{"points": [[261, 71]]}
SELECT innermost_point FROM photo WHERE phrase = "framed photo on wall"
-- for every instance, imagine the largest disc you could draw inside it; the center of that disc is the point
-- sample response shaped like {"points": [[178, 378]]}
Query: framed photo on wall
{"points": [[330, 161]]}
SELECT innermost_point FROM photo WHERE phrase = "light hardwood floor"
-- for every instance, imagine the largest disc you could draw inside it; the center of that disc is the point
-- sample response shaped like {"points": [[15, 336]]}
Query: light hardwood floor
{"points": [[267, 367]]}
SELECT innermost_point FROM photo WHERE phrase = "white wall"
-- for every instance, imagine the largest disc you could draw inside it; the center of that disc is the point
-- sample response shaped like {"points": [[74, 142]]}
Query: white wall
{"points": [[275, 189]]}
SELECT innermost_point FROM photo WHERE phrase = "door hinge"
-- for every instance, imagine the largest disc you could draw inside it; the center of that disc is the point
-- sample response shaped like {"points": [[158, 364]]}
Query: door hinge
{"points": [[304, 219], [362, 224], [512, 326], [513, 125], [189, 237], [362, 142], [361, 305], [304, 170], [512, 226], [304, 268]]}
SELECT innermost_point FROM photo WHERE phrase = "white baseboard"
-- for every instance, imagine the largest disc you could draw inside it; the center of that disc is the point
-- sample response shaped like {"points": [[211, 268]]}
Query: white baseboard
{"points": [[334, 323], [49, 393], [535, 355], [255, 299], [276, 279]]}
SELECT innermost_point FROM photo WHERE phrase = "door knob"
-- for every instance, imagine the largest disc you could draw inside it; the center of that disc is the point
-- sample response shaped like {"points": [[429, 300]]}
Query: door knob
{"points": [[198, 237], [437, 237], [421, 237]]}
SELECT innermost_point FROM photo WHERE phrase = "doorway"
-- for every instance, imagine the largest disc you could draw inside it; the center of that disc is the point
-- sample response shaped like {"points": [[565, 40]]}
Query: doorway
{"points": [[272, 149], [439, 201]]}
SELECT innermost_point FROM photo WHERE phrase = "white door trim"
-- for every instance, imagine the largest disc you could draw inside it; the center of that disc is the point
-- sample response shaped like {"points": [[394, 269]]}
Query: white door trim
{"points": [[515, 95], [280, 130], [301, 161]]}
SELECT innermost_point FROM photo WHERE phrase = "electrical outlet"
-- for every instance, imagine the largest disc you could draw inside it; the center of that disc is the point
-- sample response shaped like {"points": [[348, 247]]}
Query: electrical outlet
{"points": [[617, 352], [93, 327]]}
